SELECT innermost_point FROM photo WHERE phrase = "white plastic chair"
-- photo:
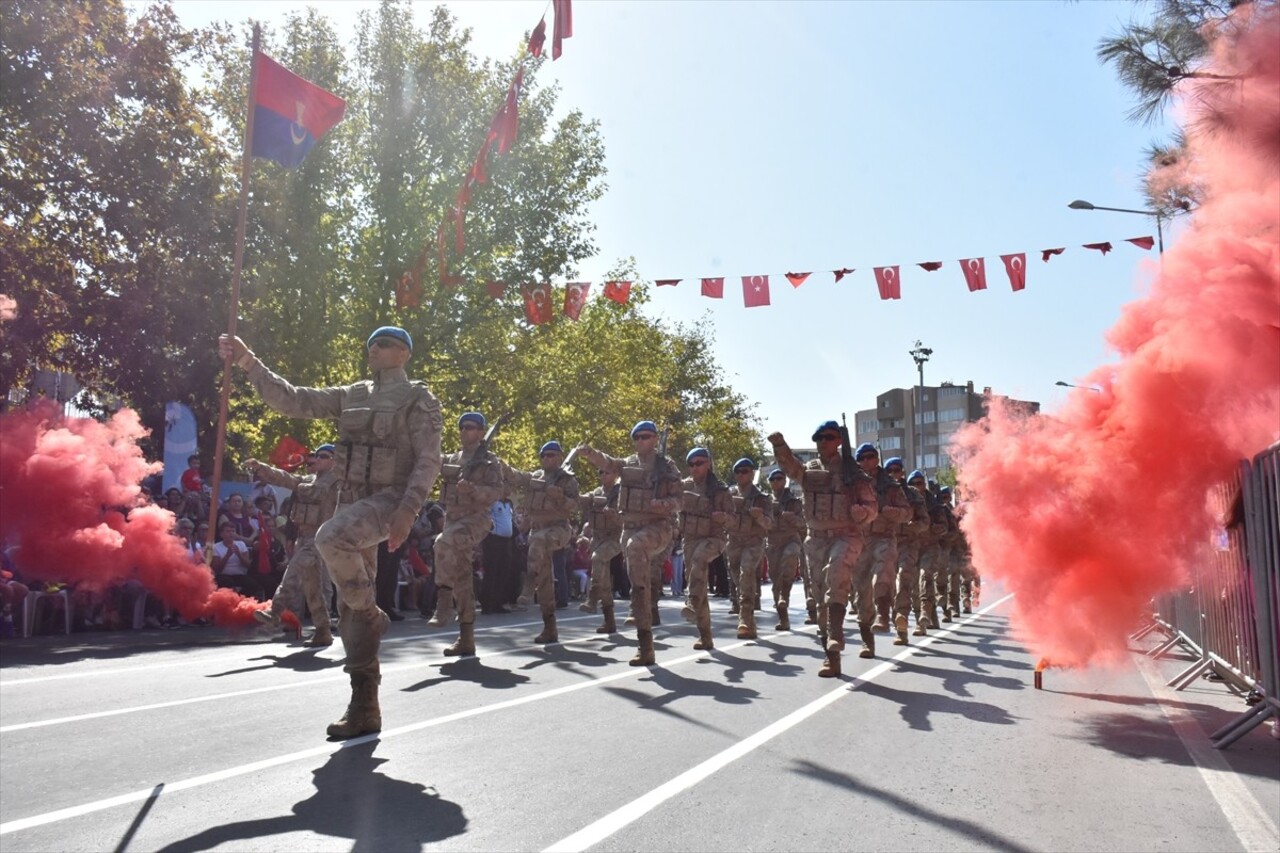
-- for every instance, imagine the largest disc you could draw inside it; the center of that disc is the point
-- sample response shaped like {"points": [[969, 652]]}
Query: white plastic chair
{"points": [[33, 600]]}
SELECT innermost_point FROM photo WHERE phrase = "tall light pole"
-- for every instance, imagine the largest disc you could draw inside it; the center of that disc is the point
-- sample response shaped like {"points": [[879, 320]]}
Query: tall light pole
{"points": [[1084, 205], [1069, 385], [920, 354]]}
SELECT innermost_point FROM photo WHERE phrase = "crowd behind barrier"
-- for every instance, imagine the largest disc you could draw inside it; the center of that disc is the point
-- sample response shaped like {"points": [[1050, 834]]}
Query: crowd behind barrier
{"points": [[1229, 618]]}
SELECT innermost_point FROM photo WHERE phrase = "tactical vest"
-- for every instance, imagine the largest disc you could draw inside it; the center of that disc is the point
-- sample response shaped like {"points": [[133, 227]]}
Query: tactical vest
{"points": [[918, 527], [696, 509], [785, 530], [374, 450], [601, 512], [741, 524], [539, 505], [826, 507], [639, 487], [307, 510], [885, 485], [453, 473]]}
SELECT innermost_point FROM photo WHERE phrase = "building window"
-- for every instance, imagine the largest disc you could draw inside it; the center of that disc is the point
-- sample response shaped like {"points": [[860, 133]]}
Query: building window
{"points": [[931, 460], [893, 442]]}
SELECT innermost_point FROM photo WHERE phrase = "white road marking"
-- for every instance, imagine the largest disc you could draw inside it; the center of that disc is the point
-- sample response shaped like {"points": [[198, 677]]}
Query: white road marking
{"points": [[619, 818]]}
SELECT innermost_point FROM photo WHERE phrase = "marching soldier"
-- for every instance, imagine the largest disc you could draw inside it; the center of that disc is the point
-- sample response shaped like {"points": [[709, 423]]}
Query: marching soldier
{"points": [[931, 555], [785, 550], [600, 509], [388, 458], [551, 497], [648, 499], [910, 538], [471, 481], [948, 590], [702, 526], [748, 525], [877, 567], [836, 515]]}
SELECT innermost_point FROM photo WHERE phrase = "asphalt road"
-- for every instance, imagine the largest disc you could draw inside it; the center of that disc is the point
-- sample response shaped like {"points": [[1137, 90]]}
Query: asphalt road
{"points": [[193, 740]]}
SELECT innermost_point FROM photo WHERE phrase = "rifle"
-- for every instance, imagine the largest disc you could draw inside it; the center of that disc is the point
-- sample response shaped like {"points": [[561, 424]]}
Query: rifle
{"points": [[482, 449], [848, 466], [662, 451]]}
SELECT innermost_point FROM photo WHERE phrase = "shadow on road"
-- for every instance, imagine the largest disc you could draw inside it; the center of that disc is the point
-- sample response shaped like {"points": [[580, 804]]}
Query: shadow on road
{"points": [[471, 669], [352, 800], [917, 707], [567, 658], [974, 664], [957, 683], [304, 661], [977, 836]]}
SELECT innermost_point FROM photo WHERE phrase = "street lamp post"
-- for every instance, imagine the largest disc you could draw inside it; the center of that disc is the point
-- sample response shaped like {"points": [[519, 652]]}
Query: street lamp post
{"points": [[1084, 205], [1087, 387], [920, 354]]}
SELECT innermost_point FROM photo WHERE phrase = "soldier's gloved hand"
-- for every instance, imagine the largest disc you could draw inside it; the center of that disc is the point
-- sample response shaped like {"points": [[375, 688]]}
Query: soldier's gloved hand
{"points": [[252, 465], [401, 524], [775, 438], [861, 514], [230, 346]]}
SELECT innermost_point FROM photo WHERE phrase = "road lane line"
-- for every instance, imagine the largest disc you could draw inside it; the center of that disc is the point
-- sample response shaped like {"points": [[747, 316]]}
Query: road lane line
{"points": [[619, 818], [1252, 824]]}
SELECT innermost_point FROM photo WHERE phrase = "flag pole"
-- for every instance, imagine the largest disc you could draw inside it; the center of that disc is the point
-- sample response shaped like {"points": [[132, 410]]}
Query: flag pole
{"points": [[246, 168]]}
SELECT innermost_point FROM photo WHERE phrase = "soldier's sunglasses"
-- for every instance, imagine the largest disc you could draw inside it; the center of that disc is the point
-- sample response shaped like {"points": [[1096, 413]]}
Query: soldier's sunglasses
{"points": [[826, 436]]}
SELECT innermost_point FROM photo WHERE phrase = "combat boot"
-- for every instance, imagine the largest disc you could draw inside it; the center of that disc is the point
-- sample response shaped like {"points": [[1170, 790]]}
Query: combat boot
{"points": [[589, 606], [900, 625], [466, 643], [922, 626], [608, 626], [363, 714], [644, 657], [549, 633], [322, 637], [267, 616], [834, 641], [881, 625], [747, 621], [813, 615], [444, 609], [946, 615], [704, 643], [868, 642], [688, 614], [933, 617], [784, 618], [655, 618]]}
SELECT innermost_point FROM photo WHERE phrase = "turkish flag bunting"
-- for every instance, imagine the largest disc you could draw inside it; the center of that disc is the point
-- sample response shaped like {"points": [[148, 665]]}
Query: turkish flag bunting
{"points": [[575, 296], [459, 215], [495, 289], [288, 454], [1016, 266], [408, 291], [841, 273], [1142, 242], [755, 290], [563, 27], [1045, 254], [506, 124], [797, 278], [537, 303], [713, 287], [618, 291], [975, 273], [538, 37], [668, 282], [441, 243], [477, 175], [889, 282], [1101, 247], [930, 266]]}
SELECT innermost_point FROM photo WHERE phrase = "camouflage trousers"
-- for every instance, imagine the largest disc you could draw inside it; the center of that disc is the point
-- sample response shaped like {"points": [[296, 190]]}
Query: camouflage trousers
{"points": [[698, 555], [540, 579], [879, 559], [455, 550], [602, 553], [646, 549], [933, 575], [743, 559], [784, 568], [306, 581], [348, 543], [832, 555], [961, 579], [907, 597]]}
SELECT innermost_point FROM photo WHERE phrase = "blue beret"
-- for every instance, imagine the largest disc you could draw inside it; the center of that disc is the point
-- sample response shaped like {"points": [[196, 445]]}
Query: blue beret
{"points": [[642, 426], [551, 446], [829, 426], [474, 417], [773, 471], [395, 332], [324, 447], [744, 462], [697, 453], [866, 449], [944, 492], [894, 460], [915, 475]]}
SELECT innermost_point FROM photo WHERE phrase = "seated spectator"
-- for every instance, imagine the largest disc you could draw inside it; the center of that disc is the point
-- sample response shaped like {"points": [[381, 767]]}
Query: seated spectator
{"points": [[231, 561], [580, 568]]}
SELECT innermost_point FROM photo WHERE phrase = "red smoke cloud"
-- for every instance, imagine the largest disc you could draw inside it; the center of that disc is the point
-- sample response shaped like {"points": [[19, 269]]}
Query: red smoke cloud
{"points": [[65, 487], [1088, 513]]}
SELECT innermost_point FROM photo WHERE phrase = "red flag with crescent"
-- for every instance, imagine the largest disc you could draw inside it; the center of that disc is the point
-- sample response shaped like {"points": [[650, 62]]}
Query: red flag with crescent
{"points": [[1045, 254], [713, 288], [797, 278], [575, 296], [538, 37], [506, 124], [1142, 242], [1103, 247], [889, 282], [617, 291], [755, 290], [1016, 266], [841, 273], [288, 454], [537, 303], [975, 273]]}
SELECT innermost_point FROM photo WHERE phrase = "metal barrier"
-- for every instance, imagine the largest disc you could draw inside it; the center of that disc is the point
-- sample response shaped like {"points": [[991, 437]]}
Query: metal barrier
{"points": [[1230, 618]]}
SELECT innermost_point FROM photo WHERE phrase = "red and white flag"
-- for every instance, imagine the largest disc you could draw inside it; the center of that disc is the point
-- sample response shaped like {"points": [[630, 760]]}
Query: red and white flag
{"points": [[888, 282], [755, 290], [537, 303], [562, 27], [667, 282], [1016, 266], [618, 291], [930, 266], [506, 124], [975, 273], [538, 38], [1102, 247], [1142, 242], [1045, 254], [841, 273], [797, 278], [713, 288], [575, 296]]}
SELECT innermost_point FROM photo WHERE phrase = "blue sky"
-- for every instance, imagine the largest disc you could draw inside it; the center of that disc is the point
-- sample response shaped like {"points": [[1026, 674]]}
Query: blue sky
{"points": [[749, 138]]}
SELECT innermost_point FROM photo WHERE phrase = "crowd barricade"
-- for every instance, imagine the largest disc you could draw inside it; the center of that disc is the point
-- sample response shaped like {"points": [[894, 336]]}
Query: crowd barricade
{"points": [[1229, 618]]}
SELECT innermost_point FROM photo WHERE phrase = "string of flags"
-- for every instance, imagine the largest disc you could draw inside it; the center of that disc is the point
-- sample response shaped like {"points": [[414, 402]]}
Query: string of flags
{"points": [[539, 307]]}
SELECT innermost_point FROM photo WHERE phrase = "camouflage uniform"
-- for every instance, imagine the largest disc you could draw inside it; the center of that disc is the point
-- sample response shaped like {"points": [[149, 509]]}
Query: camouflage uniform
{"points": [[314, 499], [949, 542], [745, 551], [931, 562], [387, 459], [877, 568], [470, 484], [600, 509], [703, 542], [548, 512], [910, 539], [837, 527], [786, 556]]}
